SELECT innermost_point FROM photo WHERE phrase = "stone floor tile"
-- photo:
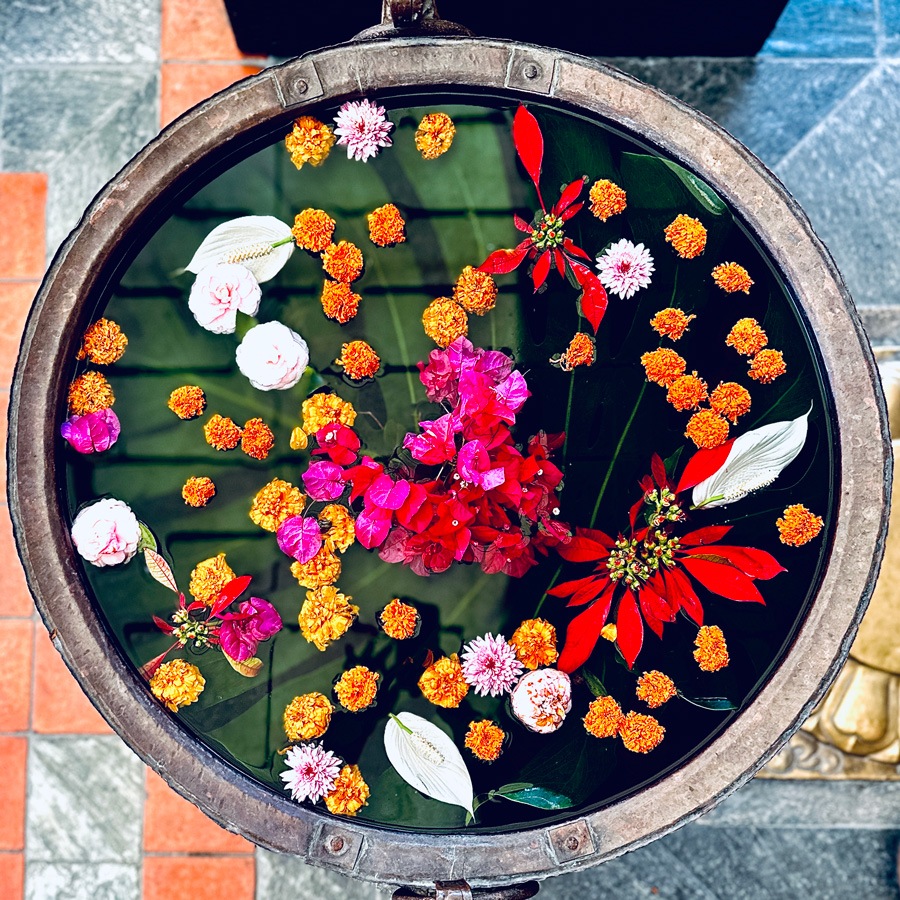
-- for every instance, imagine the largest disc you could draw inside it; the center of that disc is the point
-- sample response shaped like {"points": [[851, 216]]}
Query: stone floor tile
{"points": [[283, 877], [816, 28], [4, 425], [12, 875], [186, 84], [15, 598], [85, 801], [74, 881], [16, 638], [23, 198], [199, 877], [882, 324], [197, 30], [889, 11], [15, 301], [13, 758]]}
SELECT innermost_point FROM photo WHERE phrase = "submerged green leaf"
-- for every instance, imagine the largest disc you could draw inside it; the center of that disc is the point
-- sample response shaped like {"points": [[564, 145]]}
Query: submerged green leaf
{"points": [[718, 703], [542, 798]]}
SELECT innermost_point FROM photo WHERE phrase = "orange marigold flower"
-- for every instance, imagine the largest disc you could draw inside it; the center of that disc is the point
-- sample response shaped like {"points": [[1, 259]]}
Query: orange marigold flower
{"points": [[307, 717], [310, 141], [730, 400], [339, 525], [326, 409], [731, 278], [386, 226], [299, 440], [747, 337], [607, 199], [313, 229], [445, 321], [711, 653], [475, 292], [222, 433], [198, 490], [326, 615], [655, 688], [798, 525], [707, 429], [324, 568], [640, 734], [604, 716], [671, 322], [257, 439], [535, 643], [663, 366], [187, 402], [208, 578], [275, 502], [399, 620], [485, 740], [349, 794], [609, 632], [103, 343], [356, 688], [687, 392], [580, 352], [434, 135], [687, 236], [177, 683], [90, 392], [443, 684], [767, 365], [339, 302], [343, 261], [358, 360]]}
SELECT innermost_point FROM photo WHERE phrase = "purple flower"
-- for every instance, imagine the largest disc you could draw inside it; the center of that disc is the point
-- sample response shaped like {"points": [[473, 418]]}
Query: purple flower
{"points": [[300, 537], [324, 481], [362, 128], [474, 465], [490, 666], [93, 432], [241, 632], [312, 772]]}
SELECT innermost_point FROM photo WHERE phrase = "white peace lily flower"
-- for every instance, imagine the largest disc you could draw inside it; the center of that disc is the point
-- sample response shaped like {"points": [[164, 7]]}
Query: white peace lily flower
{"points": [[426, 757], [755, 460], [247, 240]]}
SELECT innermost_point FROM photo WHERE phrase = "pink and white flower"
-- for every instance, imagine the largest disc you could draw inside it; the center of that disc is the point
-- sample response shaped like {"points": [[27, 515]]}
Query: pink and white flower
{"points": [[220, 291], [362, 127], [312, 772], [272, 356], [625, 268], [542, 699], [106, 533], [490, 666]]}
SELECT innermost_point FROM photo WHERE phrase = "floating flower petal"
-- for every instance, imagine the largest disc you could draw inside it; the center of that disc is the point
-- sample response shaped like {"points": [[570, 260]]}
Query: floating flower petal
{"points": [[249, 241]]}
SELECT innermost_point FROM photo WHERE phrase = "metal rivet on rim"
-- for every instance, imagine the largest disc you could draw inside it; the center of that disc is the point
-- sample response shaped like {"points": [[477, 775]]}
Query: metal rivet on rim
{"points": [[335, 844], [531, 70], [572, 843], [301, 86]]}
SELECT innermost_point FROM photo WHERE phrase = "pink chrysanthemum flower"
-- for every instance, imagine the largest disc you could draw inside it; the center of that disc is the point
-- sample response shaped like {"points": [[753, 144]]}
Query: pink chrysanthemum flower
{"points": [[312, 772], [362, 128], [490, 666], [624, 268]]}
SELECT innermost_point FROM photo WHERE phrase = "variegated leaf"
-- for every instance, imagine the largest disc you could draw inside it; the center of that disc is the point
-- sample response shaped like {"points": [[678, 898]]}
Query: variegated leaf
{"points": [[249, 668], [159, 569], [248, 241]]}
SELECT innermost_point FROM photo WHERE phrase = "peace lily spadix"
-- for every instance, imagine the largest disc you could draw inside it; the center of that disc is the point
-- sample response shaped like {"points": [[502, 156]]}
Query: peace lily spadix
{"points": [[261, 243], [426, 757], [755, 460]]}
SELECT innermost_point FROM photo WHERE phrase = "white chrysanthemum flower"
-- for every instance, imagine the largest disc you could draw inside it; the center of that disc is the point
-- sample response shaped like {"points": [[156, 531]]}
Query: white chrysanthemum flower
{"points": [[490, 666], [362, 127], [312, 772], [625, 268]]}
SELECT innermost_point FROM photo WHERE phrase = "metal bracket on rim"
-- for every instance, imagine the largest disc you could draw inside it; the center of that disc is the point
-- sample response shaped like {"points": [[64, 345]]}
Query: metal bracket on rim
{"points": [[411, 18], [460, 890]]}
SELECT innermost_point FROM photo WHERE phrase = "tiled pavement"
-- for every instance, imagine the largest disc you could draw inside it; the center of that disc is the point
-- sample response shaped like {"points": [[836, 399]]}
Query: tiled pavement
{"points": [[83, 85]]}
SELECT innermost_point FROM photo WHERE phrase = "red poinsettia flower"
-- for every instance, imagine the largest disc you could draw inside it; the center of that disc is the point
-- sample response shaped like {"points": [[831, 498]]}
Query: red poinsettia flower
{"points": [[547, 244], [648, 576]]}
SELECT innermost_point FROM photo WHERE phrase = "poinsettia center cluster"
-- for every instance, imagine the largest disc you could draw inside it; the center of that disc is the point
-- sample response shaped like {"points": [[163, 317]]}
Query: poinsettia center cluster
{"points": [[548, 232]]}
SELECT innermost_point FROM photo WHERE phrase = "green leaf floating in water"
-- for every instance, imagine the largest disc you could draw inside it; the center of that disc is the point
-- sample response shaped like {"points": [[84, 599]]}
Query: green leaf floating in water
{"points": [[650, 185], [720, 703], [542, 798]]}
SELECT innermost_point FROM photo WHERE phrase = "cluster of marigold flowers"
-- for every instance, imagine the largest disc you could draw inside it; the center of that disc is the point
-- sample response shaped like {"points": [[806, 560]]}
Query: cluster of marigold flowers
{"points": [[447, 318], [102, 344]]}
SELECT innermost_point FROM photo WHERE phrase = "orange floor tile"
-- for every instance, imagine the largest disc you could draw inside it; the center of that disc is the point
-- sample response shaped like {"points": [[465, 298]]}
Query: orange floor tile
{"points": [[13, 760], [12, 876], [197, 29], [23, 197], [15, 301], [15, 599], [186, 84], [198, 877], [15, 674]]}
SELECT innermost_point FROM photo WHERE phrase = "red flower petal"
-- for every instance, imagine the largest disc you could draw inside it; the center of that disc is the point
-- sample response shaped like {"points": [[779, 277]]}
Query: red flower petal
{"points": [[584, 632], [162, 625], [658, 468], [571, 211], [386, 493], [568, 196], [529, 145], [560, 261], [372, 527], [679, 585], [708, 535], [502, 261], [583, 549], [752, 562], [572, 248], [521, 224], [589, 591], [629, 628], [702, 464], [541, 269], [567, 588], [724, 580], [593, 300], [230, 593]]}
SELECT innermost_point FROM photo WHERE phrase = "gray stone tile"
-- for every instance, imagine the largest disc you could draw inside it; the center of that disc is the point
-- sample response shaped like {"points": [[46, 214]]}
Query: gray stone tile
{"points": [[73, 881], [824, 28], [889, 10], [91, 31], [85, 801], [882, 324], [280, 877]]}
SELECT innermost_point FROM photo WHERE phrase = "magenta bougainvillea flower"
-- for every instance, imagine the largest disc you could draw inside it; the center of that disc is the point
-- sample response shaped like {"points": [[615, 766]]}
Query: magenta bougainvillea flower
{"points": [[300, 537], [93, 432], [241, 632]]}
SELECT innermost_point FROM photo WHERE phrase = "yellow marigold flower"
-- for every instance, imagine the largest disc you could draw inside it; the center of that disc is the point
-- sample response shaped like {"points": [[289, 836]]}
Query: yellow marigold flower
{"points": [[799, 526], [445, 321], [257, 439], [349, 794], [655, 688], [324, 568], [177, 683], [358, 360], [326, 615], [399, 620], [339, 302], [687, 236], [341, 526], [313, 229], [475, 292], [747, 337], [208, 579], [580, 352], [198, 490], [434, 135], [326, 409], [730, 400], [90, 392], [731, 278], [356, 688], [687, 392], [103, 343], [604, 716], [386, 226], [607, 199], [640, 734], [712, 652], [310, 141], [299, 440], [609, 632], [707, 429], [671, 322], [307, 717], [767, 365], [663, 366], [485, 740], [535, 643], [443, 684], [343, 261], [187, 402], [222, 433], [274, 502]]}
